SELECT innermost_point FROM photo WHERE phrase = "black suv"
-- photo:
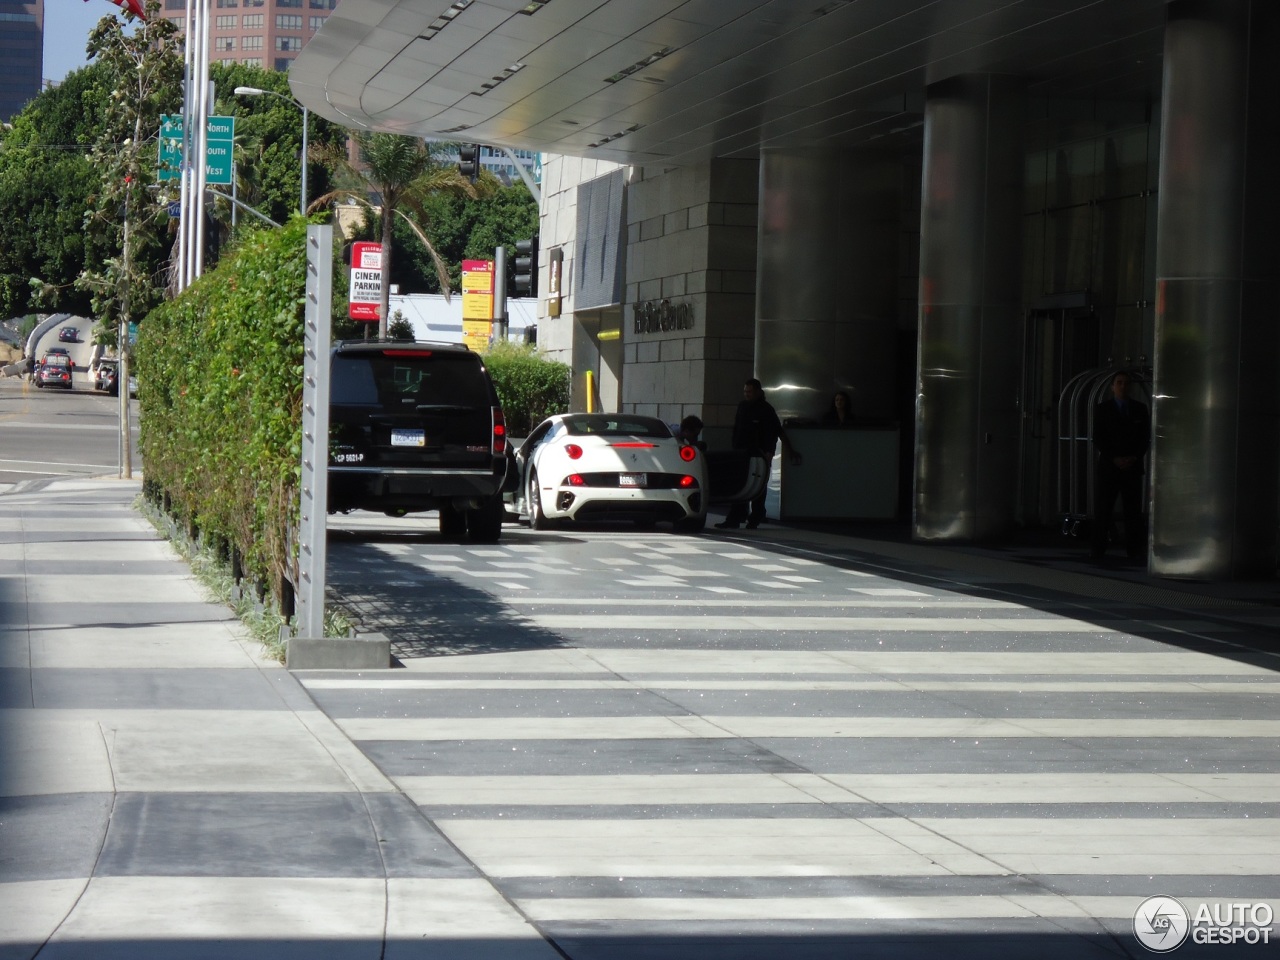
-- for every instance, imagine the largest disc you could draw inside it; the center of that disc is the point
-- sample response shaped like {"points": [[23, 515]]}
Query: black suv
{"points": [[416, 426]]}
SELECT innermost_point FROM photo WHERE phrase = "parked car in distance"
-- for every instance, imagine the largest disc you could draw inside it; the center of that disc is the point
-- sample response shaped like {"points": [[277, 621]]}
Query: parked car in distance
{"points": [[610, 467], [417, 426], [105, 379], [55, 371], [59, 352], [69, 335]]}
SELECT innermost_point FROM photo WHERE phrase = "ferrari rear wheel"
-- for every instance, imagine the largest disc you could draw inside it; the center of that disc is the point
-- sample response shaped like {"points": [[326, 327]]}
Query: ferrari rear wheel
{"points": [[537, 519]]}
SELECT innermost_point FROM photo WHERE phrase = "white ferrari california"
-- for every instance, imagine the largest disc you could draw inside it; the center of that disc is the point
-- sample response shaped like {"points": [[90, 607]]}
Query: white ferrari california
{"points": [[609, 467]]}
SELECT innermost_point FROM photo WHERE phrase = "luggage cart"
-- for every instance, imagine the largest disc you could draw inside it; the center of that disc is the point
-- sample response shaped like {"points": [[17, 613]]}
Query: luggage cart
{"points": [[1076, 404]]}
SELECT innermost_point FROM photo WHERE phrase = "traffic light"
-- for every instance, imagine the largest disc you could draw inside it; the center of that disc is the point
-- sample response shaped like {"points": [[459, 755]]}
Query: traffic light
{"points": [[469, 160], [526, 268]]}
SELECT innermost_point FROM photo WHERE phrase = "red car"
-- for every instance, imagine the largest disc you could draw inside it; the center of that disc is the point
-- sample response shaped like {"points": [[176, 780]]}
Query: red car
{"points": [[54, 372]]}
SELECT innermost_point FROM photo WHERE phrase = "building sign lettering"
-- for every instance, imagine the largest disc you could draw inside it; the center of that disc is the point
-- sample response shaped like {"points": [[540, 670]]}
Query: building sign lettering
{"points": [[661, 316]]}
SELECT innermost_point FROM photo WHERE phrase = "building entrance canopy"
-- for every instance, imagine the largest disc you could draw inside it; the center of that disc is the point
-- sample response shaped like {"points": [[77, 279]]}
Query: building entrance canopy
{"points": [[677, 82]]}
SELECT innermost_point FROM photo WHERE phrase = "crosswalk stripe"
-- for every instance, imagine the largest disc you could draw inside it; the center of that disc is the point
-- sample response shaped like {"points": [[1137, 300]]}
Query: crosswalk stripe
{"points": [[713, 727], [806, 788]]}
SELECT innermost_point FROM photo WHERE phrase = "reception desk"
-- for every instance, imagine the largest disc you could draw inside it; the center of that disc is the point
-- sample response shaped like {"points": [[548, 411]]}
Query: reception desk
{"points": [[845, 474]]}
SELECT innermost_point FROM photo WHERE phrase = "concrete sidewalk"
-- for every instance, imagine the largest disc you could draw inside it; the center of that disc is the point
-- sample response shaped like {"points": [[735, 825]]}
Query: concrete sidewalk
{"points": [[165, 791]]}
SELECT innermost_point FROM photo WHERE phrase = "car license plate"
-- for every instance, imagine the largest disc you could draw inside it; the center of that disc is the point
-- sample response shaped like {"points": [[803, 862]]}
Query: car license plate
{"points": [[408, 438], [633, 480]]}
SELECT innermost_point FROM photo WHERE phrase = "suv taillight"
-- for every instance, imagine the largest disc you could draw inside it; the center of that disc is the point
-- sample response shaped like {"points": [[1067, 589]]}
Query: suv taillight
{"points": [[499, 433]]}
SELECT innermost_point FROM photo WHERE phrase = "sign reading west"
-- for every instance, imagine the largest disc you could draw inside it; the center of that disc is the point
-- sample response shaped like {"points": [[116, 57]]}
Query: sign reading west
{"points": [[220, 135]]}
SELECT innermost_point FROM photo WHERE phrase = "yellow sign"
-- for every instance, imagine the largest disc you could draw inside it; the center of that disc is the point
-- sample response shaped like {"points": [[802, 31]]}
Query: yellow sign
{"points": [[477, 292], [476, 334]]}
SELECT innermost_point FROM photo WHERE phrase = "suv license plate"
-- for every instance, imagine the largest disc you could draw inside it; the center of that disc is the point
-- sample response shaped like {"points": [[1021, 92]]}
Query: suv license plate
{"points": [[408, 438], [633, 480]]}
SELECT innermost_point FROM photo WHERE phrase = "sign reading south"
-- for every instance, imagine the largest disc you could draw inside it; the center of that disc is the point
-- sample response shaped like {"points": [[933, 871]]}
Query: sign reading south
{"points": [[220, 134]]}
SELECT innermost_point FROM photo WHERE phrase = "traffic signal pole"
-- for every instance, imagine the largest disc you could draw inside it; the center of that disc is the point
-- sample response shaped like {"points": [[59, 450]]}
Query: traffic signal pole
{"points": [[500, 319]]}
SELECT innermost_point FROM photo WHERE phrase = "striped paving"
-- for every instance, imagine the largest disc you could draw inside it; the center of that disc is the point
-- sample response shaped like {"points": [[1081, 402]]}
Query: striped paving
{"points": [[166, 792], [699, 747]]}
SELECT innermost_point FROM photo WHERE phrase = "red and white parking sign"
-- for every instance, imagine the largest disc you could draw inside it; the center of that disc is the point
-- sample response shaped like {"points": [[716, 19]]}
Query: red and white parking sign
{"points": [[365, 295]]}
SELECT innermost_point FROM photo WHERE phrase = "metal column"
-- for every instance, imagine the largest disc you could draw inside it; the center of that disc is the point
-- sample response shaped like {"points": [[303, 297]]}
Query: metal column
{"points": [[970, 351], [1215, 466]]}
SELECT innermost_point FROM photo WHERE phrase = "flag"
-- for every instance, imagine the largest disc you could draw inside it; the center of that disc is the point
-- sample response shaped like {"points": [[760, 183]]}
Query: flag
{"points": [[133, 6]]}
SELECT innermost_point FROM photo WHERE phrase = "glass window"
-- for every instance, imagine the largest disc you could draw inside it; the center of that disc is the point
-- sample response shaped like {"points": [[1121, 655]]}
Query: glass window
{"points": [[288, 44], [222, 44], [252, 61], [225, 22], [316, 23], [252, 21], [288, 21], [617, 425], [252, 43]]}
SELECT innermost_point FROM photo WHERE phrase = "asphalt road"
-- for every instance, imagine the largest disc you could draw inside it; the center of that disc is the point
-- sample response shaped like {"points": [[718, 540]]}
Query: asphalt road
{"points": [[59, 433]]}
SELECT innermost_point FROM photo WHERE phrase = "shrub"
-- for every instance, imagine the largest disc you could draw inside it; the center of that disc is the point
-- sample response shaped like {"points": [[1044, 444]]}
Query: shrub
{"points": [[220, 392], [530, 387]]}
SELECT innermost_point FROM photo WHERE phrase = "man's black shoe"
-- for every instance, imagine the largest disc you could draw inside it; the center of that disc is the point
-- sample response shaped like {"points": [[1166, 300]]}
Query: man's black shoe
{"points": [[726, 525], [753, 524]]}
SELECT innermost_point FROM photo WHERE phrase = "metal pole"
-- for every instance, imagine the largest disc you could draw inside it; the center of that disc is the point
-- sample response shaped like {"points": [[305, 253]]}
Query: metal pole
{"points": [[184, 186], [314, 506], [303, 209], [202, 134], [500, 294]]}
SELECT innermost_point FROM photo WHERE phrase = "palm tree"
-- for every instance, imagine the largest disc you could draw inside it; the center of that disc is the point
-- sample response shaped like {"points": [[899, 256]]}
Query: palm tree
{"points": [[401, 172]]}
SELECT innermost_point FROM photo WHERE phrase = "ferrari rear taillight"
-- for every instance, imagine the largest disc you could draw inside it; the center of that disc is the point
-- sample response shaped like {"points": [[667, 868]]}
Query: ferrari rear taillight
{"points": [[688, 453], [686, 482], [573, 451], [575, 480]]}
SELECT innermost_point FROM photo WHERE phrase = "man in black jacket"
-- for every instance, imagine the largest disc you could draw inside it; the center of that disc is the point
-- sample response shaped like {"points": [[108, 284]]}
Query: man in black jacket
{"points": [[1121, 438], [756, 429]]}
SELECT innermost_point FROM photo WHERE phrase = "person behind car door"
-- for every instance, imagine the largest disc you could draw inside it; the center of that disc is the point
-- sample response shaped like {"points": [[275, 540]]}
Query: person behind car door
{"points": [[756, 431]]}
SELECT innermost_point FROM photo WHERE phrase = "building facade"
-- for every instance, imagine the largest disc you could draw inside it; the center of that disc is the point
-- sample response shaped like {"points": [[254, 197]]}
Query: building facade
{"points": [[966, 215], [258, 33], [21, 54]]}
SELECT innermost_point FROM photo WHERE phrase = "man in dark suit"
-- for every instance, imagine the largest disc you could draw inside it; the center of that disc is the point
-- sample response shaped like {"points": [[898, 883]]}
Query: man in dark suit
{"points": [[1121, 439], [756, 430]]}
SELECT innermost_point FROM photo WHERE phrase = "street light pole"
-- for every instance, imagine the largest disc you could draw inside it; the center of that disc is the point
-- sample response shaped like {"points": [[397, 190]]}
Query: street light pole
{"points": [[259, 92]]}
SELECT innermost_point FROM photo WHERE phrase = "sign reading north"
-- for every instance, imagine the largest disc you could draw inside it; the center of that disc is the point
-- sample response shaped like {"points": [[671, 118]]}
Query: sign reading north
{"points": [[220, 135], [365, 293]]}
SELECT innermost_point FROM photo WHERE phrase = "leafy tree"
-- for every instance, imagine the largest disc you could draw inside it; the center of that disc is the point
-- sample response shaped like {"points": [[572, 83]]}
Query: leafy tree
{"points": [[143, 69], [46, 180], [401, 172], [460, 229], [268, 141], [399, 328]]}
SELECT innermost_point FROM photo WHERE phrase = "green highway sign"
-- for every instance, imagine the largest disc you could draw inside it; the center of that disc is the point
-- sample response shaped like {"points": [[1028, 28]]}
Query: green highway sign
{"points": [[220, 134]]}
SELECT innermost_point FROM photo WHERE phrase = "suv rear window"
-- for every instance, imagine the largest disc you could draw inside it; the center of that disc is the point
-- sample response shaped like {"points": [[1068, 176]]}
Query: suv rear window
{"points": [[387, 380]]}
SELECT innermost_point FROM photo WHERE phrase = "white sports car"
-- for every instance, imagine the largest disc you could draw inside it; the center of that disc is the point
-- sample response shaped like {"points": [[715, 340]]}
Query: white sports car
{"points": [[610, 467]]}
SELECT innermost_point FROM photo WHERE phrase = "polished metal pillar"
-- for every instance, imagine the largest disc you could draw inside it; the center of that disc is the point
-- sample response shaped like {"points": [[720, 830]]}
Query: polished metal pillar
{"points": [[970, 349], [827, 280], [1215, 467]]}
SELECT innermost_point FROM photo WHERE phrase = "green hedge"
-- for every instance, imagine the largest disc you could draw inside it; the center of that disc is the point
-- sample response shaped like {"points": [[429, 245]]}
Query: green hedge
{"points": [[530, 387], [220, 391]]}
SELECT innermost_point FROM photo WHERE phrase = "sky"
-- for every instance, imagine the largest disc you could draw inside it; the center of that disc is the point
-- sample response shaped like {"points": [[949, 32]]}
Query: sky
{"points": [[67, 25]]}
